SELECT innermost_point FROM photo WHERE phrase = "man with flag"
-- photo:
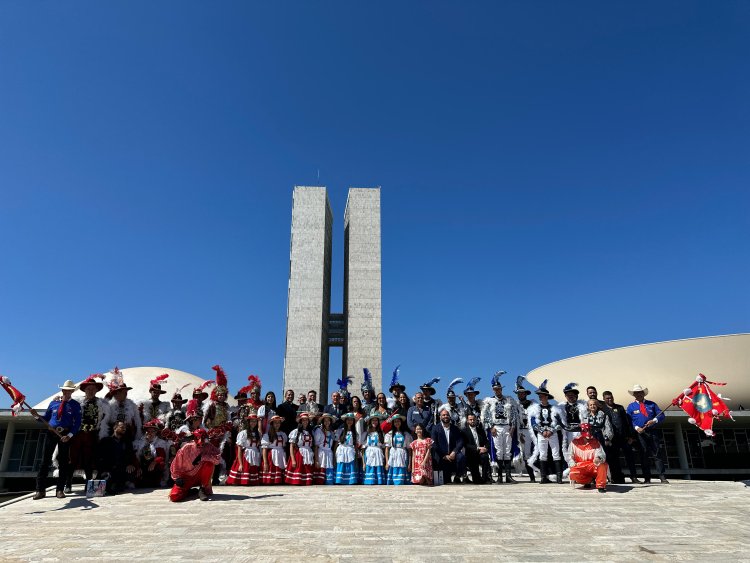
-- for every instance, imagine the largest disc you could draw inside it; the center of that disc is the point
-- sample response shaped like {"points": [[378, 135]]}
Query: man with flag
{"points": [[64, 416], [646, 415]]}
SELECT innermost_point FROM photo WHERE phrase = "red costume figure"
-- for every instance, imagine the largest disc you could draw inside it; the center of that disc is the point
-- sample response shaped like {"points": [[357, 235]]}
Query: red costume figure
{"points": [[193, 466], [587, 460]]}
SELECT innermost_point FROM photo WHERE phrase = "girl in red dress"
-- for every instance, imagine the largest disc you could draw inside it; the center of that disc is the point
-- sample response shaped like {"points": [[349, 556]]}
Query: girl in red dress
{"points": [[421, 461], [273, 456], [246, 467], [300, 467]]}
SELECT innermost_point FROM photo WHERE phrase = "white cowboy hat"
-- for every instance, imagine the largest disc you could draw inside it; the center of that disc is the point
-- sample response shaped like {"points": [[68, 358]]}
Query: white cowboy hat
{"points": [[69, 386], [637, 388]]}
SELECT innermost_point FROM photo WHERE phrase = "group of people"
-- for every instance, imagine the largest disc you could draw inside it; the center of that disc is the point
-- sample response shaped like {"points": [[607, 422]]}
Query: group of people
{"points": [[372, 440]]}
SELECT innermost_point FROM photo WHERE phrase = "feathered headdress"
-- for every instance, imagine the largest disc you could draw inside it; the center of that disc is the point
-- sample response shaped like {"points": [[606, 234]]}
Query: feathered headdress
{"points": [[254, 382], [117, 382], [542, 390], [221, 382], [344, 384], [156, 383], [201, 389], [571, 387], [92, 380], [429, 384], [367, 383], [177, 392], [472, 383], [519, 384], [496, 378], [192, 409], [450, 390], [394, 380]]}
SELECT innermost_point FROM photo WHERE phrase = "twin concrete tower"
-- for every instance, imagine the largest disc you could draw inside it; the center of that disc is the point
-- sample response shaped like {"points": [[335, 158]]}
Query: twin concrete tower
{"points": [[311, 328]]}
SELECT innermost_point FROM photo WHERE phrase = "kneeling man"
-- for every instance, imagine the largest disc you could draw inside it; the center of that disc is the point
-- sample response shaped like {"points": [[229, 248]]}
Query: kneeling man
{"points": [[587, 460]]}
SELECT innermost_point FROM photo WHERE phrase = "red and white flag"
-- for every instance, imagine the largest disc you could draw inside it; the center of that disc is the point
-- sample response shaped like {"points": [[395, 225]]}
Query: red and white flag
{"points": [[18, 397], [702, 405]]}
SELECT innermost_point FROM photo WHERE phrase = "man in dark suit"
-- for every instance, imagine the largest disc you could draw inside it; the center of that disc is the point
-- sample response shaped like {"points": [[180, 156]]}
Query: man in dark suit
{"points": [[477, 451], [448, 448], [336, 409]]}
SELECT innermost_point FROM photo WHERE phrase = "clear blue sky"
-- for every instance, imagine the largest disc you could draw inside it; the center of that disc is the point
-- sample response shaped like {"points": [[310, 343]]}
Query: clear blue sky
{"points": [[557, 178]]}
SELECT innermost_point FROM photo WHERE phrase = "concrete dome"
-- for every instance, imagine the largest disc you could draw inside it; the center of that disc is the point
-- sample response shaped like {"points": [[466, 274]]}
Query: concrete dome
{"points": [[666, 368], [140, 380]]}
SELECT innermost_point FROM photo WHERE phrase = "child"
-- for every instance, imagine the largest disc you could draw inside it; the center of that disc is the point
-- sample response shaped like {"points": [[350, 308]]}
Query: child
{"points": [[325, 468], [274, 457], [347, 472], [373, 446], [299, 469], [246, 467], [397, 443]]}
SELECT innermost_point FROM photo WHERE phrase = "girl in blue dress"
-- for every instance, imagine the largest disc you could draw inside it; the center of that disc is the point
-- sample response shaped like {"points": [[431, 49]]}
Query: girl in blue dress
{"points": [[347, 472], [397, 449], [373, 445]]}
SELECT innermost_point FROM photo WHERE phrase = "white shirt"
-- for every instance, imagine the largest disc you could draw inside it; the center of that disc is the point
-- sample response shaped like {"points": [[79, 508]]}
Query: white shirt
{"points": [[474, 433], [447, 430]]}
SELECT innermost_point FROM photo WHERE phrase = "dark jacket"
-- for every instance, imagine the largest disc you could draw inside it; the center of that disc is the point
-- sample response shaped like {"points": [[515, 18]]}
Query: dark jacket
{"points": [[289, 411], [472, 448], [442, 447]]}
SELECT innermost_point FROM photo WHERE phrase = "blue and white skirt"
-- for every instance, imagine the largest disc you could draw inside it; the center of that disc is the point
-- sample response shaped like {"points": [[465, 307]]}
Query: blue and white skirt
{"points": [[374, 475], [347, 473], [397, 476]]}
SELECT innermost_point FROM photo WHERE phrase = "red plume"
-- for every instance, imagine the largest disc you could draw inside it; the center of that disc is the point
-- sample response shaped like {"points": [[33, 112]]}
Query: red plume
{"points": [[160, 378], [221, 377], [204, 385], [254, 381], [246, 389]]}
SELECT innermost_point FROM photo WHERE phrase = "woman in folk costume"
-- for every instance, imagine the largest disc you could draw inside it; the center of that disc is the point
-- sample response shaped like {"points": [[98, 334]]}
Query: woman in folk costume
{"points": [[267, 411], [373, 459], [397, 443], [347, 470], [299, 468], [246, 467], [193, 422], [273, 456], [421, 459], [324, 436]]}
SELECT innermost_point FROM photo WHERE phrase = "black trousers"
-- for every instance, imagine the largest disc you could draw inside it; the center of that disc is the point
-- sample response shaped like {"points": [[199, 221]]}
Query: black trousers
{"points": [[63, 462], [650, 444], [620, 444], [476, 460]]}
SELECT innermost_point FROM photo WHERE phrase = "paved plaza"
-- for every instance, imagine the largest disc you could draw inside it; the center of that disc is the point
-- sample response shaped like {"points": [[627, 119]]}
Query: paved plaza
{"points": [[687, 520]]}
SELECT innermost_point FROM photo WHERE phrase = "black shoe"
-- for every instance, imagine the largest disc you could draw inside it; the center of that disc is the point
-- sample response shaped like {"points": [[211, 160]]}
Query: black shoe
{"points": [[530, 473], [60, 494], [601, 490], [68, 489], [202, 494], [40, 495], [647, 480], [457, 480], [587, 486], [663, 480], [558, 471], [466, 481], [634, 479]]}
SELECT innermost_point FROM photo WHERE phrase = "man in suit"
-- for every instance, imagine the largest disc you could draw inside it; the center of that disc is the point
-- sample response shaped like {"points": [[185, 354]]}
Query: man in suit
{"points": [[336, 409], [622, 441], [448, 448], [312, 405], [477, 451]]}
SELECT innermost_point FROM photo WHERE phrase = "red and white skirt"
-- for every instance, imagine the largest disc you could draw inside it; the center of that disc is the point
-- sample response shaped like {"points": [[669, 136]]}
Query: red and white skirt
{"points": [[242, 473], [301, 474], [274, 475]]}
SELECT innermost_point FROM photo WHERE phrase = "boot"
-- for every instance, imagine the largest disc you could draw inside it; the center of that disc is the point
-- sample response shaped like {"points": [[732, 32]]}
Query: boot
{"points": [[499, 476], [508, 477], [530, 473], [558, 470], [40, 495], [543, 471]]}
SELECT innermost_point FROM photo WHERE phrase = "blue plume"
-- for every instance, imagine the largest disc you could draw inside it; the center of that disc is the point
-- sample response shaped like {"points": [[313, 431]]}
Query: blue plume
{"points": [[431, 382], [496, 377], [570, 386], [455, 382], [473, 382], [543, 385], [368, 376], [344, 382], [394, 379], [519, 381]]}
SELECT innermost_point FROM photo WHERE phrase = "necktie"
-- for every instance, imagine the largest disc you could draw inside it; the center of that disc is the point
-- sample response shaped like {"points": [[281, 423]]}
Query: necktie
{"points": [[60, 410], [644, 412]]}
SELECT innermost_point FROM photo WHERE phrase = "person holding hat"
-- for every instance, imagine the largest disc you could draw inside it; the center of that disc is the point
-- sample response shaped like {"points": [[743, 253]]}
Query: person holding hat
{"points": [[397, 443], [299, 468], [470, 405], [501, 417], [64, 415], [573, 412], [193, 466], [325, 440], [373, 459], [396, 389], [546, 422], [155, 408], [525, 435], [587, 460], [273, 456], [121, 409], [176, 416], [151, 454], [645, 416], [246, 467], [83, 445], [347, 441]]}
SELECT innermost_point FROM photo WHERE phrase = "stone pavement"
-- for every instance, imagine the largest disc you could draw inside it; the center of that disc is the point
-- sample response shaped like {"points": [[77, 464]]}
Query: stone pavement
{"points": [[686, 520]]}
